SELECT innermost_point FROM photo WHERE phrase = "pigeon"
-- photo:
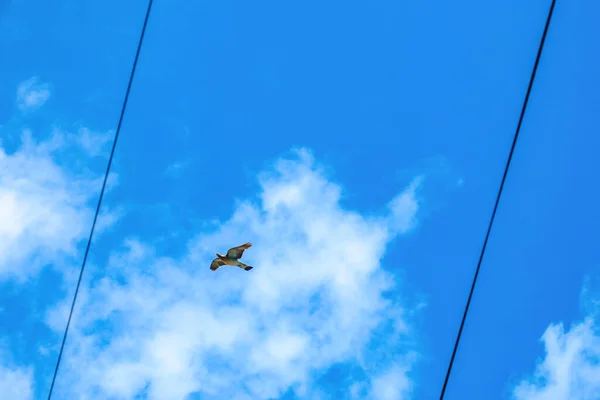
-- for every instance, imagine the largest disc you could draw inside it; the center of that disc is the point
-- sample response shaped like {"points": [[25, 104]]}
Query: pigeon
{"points": [[232, 258]]}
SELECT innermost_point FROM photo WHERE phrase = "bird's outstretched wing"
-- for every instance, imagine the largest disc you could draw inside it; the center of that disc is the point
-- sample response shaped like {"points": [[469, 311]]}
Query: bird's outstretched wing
{"points": [[216, 263], [236, 252]]}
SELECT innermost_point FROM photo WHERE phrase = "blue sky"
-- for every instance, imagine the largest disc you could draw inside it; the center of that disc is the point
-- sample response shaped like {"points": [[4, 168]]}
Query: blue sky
{"points": [[358, 147]]}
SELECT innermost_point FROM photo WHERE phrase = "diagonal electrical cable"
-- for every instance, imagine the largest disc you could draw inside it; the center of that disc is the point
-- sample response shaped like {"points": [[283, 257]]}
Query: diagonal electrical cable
{"points": [[110, 159], [489, 229]]}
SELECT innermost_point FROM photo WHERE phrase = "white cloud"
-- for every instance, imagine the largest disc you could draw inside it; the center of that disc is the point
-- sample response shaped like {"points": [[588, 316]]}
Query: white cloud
{"points": [[570, 369], [16, 383], [392, 384], [316, 297], [31, 94], [45, 209]]}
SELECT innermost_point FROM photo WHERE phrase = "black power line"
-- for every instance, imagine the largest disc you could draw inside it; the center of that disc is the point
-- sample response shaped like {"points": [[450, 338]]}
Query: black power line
{"points": [[487, 235], [110, 159]]}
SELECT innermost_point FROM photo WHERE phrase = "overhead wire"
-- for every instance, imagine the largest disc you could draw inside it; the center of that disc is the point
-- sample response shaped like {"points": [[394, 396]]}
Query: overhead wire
{"points": [[498, 196], [110, 159]]}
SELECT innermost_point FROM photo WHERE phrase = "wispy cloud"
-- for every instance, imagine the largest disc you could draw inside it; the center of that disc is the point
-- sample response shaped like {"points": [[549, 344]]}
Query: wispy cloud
{"points": [[32, 94], [405, 206], [94, 143], [176, 169], [318, 296], [570, 369]]}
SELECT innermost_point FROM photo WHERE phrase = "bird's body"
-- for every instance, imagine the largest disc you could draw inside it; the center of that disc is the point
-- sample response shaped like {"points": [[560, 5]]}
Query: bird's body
{"points": [[232, 258]]}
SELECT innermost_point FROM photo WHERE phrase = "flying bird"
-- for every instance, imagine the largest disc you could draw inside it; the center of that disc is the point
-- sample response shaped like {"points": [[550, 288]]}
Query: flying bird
{"points": [[232, 258]]}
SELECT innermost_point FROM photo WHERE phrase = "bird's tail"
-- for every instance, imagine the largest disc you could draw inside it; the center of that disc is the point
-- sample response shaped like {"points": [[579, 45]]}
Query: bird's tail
{"points": [[247, 268]]}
